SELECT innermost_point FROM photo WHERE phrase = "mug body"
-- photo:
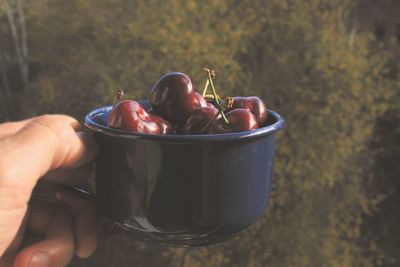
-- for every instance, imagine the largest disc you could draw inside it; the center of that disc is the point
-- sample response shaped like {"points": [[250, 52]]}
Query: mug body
{"points": [[183, 190]]}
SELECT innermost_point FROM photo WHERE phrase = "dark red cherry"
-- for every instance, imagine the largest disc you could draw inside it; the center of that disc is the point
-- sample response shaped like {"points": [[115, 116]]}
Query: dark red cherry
{"points": [[253, 104], [210, 105], [198, 120], [239, 120], [129, 115], [165, 126], [200, 99], [173, 97]]}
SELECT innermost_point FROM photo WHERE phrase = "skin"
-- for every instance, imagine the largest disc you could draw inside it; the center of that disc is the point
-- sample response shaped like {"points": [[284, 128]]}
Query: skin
{"points": [[40, 224]]}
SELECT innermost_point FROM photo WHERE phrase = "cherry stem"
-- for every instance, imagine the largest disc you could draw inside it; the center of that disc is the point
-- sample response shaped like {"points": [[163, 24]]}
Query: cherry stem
{"points": [[213, 90], [228, 102], [217, 100], [205, 88], [119, 94], [211, 98], [210, 73]]}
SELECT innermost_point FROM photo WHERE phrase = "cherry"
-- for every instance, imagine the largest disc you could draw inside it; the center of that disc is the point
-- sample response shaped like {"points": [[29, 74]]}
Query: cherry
{"points": [[130, 115], [200, 99], [165, 126], [239, 120], [199, 119], [253, 104], [210, 105], [173, 97]]}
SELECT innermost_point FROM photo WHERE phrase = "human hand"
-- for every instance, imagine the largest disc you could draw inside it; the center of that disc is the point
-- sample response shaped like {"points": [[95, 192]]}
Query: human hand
{"points": [[34, 151]]}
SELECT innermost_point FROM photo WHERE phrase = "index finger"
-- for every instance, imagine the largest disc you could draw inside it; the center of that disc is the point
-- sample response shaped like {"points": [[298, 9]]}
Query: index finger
{"points": [[45, 143], [9, 128]]}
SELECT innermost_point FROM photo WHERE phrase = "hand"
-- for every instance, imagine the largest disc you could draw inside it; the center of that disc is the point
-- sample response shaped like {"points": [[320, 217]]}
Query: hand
{"points": [[35, 155]]}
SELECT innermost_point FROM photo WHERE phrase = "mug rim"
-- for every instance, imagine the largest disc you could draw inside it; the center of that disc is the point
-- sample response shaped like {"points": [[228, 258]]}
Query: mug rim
{"points": [[260, 132]]}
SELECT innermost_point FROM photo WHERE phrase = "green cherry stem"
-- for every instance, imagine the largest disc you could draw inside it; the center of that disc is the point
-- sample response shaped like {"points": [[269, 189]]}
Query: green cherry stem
{"points": [[211, 97], [214, 93], [217, 100], [224, 117], [210, 75], [206, 87]]}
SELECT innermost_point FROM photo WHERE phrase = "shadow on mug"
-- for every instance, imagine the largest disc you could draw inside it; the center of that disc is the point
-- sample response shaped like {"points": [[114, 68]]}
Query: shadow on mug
{"points": [[183, 190]]}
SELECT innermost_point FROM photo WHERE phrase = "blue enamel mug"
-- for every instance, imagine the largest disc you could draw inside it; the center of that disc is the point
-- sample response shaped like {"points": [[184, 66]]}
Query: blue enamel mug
{"points": [[183, 190]]}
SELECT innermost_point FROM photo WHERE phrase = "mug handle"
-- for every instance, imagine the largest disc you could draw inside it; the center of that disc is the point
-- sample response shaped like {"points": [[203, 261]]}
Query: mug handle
{"points": [[85, 191]]}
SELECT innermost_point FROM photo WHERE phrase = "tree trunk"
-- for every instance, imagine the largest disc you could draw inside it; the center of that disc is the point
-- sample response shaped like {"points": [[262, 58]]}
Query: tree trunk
{"points": [[24, 44], [5, 82], [16, 20], [8, 102]]}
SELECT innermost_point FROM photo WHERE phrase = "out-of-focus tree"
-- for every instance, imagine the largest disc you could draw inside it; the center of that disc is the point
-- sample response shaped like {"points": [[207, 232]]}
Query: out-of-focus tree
{"points": [[308, 63]]}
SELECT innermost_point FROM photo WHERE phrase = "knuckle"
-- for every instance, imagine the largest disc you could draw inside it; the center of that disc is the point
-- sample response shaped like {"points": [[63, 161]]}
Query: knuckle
{"points": [[46, 119], [58, 129], [59, 125]]}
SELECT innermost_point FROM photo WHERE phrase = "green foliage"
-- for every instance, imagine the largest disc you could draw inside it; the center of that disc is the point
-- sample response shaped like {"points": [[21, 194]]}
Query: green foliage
{"points": [[304, 57]]}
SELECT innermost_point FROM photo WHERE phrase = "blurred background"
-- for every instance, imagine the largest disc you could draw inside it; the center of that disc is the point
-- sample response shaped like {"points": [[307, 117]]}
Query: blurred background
{"points": [[330, 67]]}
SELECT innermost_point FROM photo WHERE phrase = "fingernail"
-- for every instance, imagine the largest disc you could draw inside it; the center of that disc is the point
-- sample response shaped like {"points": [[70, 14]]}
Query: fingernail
{"points": [[40, 259]]}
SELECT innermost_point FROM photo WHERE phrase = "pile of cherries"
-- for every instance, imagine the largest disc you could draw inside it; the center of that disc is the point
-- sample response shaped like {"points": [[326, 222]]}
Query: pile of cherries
{"points": [[176, 108]]}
